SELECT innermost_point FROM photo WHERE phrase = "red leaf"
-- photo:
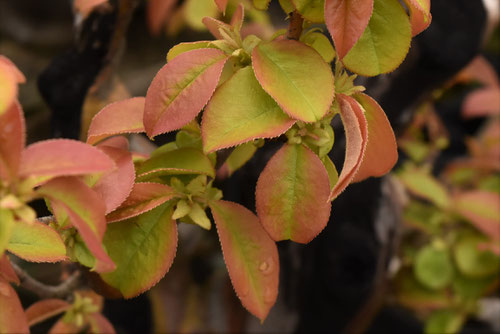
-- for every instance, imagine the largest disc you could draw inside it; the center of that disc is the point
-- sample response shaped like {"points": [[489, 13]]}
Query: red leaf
{"points": [[85, 209], [482, 209], [355, 128], [482, 102], [12, 318], [420, 15], [250, 254], [12, 141], [99, 324], [115, 186], [6, 270], [144, 197], [221, 4], [158, 12], [181, 89], [117, 118], [292, 195], [381, 149], [346, 21], [61, 157], [45, 309]]}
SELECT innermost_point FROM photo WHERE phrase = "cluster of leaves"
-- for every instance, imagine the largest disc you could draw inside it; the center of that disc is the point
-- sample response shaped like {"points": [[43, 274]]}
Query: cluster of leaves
{"points": [[116, 211], [452, 252]]}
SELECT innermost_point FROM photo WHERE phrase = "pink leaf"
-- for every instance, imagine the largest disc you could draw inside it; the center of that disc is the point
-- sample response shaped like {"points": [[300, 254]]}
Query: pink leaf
{"points": [[12, 318], [18, 75], [181, 89], [63, 327], [158, 12], [221, 4], [6, 270], [12, 141], [292, 195], [238, 16], [144, 197], [482, 102], [60, 157], [85, 210], [355, 128], [480, 70], [482, 209], [117, 118], [213, 25], [85, 7], [420, 15], [346, 21], [45, 309], [115, 186], [100, 324], [250, 254], [381, 149]]}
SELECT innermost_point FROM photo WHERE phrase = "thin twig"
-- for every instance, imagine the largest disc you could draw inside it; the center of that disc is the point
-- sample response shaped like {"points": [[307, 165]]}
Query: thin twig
{"points": [[295, 26], [44, 291]]}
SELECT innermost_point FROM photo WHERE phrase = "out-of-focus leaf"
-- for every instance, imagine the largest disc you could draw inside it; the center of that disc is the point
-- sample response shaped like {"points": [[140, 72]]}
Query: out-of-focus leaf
{"points": [[261, 4], [85, 7], [241, 111], [482, 209], [292, 195], [384, 43], [433, 267], [12, 317], [144, 197], [444, 321], [36, 242], [296, 76], [12, 141], [45, 309], [196, 10], [117, 118], [412, 294], [10, 76], [221, 4], [482, 103], [346, 20], [6, 271], [250, 254], [143, 249], [472, 261], [158, 12], [99, 324], [181, 89]]}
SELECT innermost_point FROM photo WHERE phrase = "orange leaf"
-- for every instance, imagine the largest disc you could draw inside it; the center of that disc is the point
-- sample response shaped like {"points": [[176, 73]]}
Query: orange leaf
{"points": [[99, 324], [158, 12], [45, 309], [85, 7], [12, 318], [420, 15], [482, 102], [381, 152], [12, 141], [251, 256], [6, 270], [355, 127], [482, 209]]}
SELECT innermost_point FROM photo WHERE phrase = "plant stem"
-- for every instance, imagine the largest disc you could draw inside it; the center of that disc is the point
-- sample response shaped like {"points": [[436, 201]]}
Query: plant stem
{"points": [[44, 291], [295, 26]]}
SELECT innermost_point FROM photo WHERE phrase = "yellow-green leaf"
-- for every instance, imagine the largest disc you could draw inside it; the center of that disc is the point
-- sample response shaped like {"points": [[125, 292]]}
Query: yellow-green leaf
{"points": [[311, 10]]}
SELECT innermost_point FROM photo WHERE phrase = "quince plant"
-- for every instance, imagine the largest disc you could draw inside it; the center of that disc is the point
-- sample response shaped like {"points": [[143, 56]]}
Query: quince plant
{"points": [[115, 211]]}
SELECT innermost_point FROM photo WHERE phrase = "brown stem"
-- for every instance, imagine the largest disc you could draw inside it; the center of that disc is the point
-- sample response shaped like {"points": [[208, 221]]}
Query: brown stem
{"points": [[44, 291], [295, 26]]}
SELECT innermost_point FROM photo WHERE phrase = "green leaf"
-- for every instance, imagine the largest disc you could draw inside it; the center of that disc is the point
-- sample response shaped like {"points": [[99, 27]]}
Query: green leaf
{"points": [[6, 227], [384, 43], [198, 215], [251, 256], [292, 195], [261, 4], [186, 46], [181, 210], [196, 10], [433, 267], [321, 44], [333, 174], [238, 157], [143, 249], [241, 111], [296, 76], [184, 160], [444, 321], [287, 6], [311, 10], [472, 261], [36, 242]]}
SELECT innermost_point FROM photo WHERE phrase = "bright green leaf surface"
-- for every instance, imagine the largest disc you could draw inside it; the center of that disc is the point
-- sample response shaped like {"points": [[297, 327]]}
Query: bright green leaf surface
{"points": [[321, 44], [240, 111], [196, 10], [311, 10], [143, 249], [292, 195], [186, 46], [36, 243], [296, 76], [6, 227], [433, 267], [384, 43]]}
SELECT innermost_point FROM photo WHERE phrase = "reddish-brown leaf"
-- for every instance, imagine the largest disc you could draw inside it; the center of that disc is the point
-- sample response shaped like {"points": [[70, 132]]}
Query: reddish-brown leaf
{"points": [[482, 102], [346, 21], [480, 70], [221, 4], [62, 327], [144, 197], [420, 15], [213, 25], [181, 89], [238, 16], [45, 309], [117, 118], [381, 152], [115, 186], [99, 324], [85, 210], [158, 12], [12, 141], [61, 157], [356, 130], [251, 256], [292, 195], [12, 317], [6, 270]]}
